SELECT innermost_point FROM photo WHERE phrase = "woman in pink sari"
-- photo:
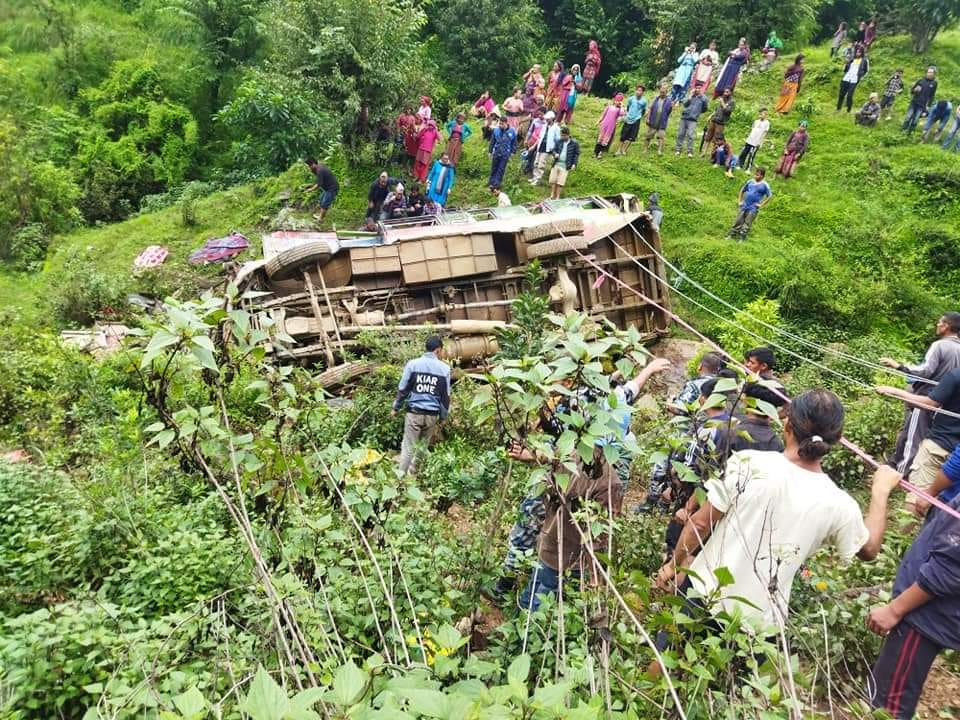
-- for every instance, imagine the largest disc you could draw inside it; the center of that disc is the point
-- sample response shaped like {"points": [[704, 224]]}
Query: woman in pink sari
{"points": [[608, 125], [591, 67], [427, 139], [555, 74]]}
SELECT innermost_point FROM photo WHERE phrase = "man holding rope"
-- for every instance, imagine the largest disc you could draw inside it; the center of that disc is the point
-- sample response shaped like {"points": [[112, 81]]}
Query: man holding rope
{"points": [[942, 356], [944, 434]]}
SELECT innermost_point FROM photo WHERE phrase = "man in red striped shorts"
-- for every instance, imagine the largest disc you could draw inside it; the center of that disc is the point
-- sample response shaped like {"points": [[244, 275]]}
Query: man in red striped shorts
{"points": [[924, 616]]}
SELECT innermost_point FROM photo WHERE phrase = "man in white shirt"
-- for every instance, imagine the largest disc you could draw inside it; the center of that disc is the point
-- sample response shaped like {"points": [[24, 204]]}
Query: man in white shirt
{"points": [[769, 512], [758, 134], [503, 200], [549, 139]]}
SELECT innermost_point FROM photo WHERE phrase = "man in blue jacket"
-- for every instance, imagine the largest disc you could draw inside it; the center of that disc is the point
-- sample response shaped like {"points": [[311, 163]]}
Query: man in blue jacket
{"points": [[502, 144], [425, 389], [657, 120], [924, 616]]}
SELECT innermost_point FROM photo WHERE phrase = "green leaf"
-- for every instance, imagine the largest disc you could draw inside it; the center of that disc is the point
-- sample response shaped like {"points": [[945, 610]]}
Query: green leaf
{"points": [[203, 341], [164, 438], [349, 684], [724, 576], [429, 703], [191, 704], [550, 696], [302, 702], [266, 700], [203, 354], [519, 669]]}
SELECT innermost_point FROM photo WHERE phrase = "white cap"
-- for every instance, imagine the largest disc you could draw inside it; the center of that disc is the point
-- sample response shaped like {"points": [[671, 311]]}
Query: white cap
{"points": [[550, 115]]}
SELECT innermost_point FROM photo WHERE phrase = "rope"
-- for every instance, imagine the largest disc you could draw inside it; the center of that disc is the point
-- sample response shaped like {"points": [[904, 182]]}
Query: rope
{"points": [[774, 328], [761, 338], [856, 450]]}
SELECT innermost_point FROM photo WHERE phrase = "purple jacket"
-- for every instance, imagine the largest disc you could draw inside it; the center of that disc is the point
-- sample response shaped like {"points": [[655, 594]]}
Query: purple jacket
{"points": [[659, 113], [933, 562]]}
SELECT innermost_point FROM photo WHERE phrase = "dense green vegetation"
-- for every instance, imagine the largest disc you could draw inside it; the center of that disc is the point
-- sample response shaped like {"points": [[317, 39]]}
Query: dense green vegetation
{"points": [[201, 534]]}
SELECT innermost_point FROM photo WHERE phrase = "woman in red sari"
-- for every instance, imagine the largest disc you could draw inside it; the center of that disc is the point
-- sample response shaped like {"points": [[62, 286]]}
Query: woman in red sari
{"points": [[797, 145], [406, 132], [551, 98], [426, 140], [591, 67]]}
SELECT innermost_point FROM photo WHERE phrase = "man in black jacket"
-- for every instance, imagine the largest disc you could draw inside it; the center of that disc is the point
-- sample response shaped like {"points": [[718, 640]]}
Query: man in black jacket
{"points": [[921, 95], [377, 193], [566, 156]]}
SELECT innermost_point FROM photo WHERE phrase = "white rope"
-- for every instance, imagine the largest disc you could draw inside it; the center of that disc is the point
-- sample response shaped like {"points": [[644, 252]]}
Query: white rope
{"points": [[736, 325], [774, 328]]}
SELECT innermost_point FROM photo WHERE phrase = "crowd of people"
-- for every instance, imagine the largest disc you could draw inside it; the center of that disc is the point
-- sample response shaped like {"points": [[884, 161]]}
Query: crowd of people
{"points": [[533, 124], [745, 491]]}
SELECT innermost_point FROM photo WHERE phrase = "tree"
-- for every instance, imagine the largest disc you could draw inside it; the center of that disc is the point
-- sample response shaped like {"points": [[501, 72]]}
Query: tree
{"points": [[487, 43], [274, 123], [923, 19], [359, 58], [226, 31]]}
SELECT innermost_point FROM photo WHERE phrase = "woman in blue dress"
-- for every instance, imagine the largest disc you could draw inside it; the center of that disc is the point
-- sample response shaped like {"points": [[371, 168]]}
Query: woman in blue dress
{"points": [[681, 76]]}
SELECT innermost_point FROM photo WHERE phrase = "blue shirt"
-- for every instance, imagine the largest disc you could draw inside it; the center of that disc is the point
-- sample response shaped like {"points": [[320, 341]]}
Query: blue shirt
{"points": [[503, 142], [425, 386], [753, 193], [636, 107]]}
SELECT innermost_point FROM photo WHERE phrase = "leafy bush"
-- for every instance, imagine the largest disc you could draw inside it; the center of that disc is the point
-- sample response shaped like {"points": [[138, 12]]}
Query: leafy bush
{"points": [[42, 555], [86, 294], [753, 318], [175, 570], [456, 472], [29, 247], [275, 122]]}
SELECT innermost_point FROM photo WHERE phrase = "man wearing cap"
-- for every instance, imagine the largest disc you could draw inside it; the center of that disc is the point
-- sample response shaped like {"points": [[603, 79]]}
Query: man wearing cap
{"points": [[379, 189], [425, 389], [549, 139], [921, 95], [567, 154]]}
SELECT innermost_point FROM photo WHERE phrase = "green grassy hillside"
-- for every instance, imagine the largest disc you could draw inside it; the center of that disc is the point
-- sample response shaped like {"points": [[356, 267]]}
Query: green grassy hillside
{"points": [[861, 242]]}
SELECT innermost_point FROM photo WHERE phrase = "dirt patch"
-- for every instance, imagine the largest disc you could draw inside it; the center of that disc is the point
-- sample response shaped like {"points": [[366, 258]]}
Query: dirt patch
{"points": [[941, 694], [679, 352], [460, 520]]}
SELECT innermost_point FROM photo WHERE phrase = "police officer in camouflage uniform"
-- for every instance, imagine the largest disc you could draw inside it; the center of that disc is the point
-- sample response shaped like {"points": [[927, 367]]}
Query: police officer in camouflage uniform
{"points": [[425, 389]]}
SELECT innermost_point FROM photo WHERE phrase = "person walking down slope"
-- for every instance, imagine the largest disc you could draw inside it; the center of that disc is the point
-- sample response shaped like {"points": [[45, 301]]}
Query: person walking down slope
{"points": [[636, 109], [693, 107], [681, 76], [425, 390], [754, 195], [794, 150], [953, 135], [657, 120], [502, 144], [940, 112], [591, 66], [730, 72], [922, 94], [839, 35], [442, 177], [607, 125], [566, 156], [853, 73], [869, 113], [792, 77], [326, 183]]}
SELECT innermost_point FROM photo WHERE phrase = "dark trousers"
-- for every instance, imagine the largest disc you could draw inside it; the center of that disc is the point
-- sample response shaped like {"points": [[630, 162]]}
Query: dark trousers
{"points": [[846, 91], [916, 424], [747, 155], [498, 166], [897, 679], [743, 223]]}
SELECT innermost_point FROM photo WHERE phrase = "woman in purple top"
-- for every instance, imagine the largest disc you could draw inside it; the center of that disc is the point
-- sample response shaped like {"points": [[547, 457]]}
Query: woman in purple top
{"points": [[730, 73]]}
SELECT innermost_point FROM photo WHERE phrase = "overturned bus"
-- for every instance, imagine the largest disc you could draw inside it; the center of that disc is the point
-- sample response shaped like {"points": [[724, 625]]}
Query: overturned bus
{"points": [[460, 273]]}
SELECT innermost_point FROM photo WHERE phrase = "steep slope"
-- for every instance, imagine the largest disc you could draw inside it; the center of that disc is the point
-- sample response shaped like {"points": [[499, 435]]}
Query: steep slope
{"points": [[862, 241]]}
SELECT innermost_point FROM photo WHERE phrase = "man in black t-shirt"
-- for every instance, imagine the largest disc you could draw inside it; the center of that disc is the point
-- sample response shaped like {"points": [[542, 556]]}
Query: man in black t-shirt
{"points": [[944, 433], [326, 183]]}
